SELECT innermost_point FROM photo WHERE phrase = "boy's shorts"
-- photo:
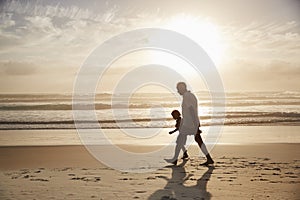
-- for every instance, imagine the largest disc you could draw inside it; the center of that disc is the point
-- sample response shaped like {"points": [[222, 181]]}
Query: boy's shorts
{"points": [[181, 139]]}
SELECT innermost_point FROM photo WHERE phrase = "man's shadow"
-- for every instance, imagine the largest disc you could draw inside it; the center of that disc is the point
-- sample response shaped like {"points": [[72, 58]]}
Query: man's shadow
{"points": [[176, 189]]}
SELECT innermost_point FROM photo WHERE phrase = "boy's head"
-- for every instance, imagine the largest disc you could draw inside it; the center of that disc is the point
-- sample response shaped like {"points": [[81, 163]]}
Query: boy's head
{"points": [[175, 114]]}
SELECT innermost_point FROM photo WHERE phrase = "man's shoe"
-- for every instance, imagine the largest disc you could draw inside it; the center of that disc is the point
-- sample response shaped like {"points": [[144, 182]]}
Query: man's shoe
{"points": [[185, 155]]}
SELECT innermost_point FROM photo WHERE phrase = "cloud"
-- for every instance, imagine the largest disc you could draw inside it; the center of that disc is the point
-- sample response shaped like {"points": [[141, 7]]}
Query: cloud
{"points": [[12, 68], [38, 8], [254, 75], [283, 68], [43, 24], [6, 20], [260, 34], [64, 33], [252, 68], [263, 41]]}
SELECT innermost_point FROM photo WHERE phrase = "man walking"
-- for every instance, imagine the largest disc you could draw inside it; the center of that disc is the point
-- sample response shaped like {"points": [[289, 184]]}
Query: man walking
{"points": [[190, 121]]}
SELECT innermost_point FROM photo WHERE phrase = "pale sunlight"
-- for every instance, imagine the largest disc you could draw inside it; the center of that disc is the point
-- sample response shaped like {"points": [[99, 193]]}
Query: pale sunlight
{"points": [[204, 32]]}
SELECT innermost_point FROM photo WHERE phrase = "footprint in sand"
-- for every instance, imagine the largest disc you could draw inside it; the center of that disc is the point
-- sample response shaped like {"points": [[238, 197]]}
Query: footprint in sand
{"points": [[125, 179], [98, 178], [26, 176], [94, 179], [229, 180], [275, 181], [25, 172], [294, 182], [289, 173], [292, 176], [230, 172], [276, 169], [151, 178], [235, 184], [39, 179], [78, 178], [14, 175], [66, 169], [263, 179], [71, 175], [140, 191]]}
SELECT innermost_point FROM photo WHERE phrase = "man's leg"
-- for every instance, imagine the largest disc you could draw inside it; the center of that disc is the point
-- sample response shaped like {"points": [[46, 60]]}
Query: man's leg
{"points": [[203, 148]]}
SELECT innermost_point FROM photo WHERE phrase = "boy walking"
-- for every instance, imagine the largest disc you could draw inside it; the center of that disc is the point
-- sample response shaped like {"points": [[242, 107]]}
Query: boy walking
{"points": [[181, 139]]}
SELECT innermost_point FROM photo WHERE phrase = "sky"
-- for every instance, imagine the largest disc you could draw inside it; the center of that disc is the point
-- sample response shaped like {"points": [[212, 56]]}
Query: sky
{"points": [[255, 45]]}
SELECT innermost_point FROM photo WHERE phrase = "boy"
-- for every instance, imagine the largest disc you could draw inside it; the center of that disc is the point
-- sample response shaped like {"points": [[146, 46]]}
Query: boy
{"points": [[181, 139]]}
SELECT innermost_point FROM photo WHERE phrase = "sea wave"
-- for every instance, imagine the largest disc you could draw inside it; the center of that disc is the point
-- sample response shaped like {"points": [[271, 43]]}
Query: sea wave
{"points": [[239, 118], [120, 105], [49, 111]]}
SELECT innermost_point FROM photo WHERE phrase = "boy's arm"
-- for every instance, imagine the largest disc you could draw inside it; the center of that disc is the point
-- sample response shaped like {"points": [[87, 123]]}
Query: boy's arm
{"points": [[171, 132], [199, 131], [176, 125]]}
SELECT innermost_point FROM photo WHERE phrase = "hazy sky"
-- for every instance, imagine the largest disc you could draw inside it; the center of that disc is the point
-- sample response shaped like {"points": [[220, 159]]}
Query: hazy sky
{"points": [[255, 44]]}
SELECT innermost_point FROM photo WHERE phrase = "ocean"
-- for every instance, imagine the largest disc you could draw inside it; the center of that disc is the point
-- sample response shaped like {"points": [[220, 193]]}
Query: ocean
{"points": [[145, 110]]}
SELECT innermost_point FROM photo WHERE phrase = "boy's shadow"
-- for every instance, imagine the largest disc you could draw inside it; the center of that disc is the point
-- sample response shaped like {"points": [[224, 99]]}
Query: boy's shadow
{"points": [[175, 188]]}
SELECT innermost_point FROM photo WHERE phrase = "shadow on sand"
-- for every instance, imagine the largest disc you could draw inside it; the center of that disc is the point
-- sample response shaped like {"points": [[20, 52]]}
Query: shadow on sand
{"points": [[176, 189]]}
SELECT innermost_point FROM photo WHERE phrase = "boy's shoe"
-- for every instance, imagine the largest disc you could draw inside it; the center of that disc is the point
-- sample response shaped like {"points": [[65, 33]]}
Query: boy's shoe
{"points": [[174, 162], [185, 155]]}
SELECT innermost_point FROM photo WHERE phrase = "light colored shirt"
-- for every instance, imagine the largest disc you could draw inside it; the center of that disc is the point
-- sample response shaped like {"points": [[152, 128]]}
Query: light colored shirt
{"points": [[190, 120]]}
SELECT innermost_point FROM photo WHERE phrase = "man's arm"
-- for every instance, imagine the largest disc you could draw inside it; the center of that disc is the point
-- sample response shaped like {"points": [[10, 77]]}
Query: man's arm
{"points": [[194, 116]]}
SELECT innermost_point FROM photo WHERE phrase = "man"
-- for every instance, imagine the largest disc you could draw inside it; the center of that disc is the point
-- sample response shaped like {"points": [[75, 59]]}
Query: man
{"points": [[190, 121]]}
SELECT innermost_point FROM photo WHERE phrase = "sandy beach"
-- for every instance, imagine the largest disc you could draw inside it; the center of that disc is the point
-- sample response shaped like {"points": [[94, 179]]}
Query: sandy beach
{"points": [[257, 171]]}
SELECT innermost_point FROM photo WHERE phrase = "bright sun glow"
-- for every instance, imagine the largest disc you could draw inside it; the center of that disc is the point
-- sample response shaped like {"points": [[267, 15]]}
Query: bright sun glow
{"points": [[204, 32]]}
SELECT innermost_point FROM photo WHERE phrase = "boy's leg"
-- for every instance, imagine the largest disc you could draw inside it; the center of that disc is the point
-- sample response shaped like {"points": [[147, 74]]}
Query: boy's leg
{"points": [[176, 154], [178, 147], [177, 150], [180, 142], [184, 150]]}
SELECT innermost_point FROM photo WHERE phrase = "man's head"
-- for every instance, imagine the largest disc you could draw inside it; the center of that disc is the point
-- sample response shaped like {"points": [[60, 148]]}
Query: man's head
{"points": [[181, 88]]}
